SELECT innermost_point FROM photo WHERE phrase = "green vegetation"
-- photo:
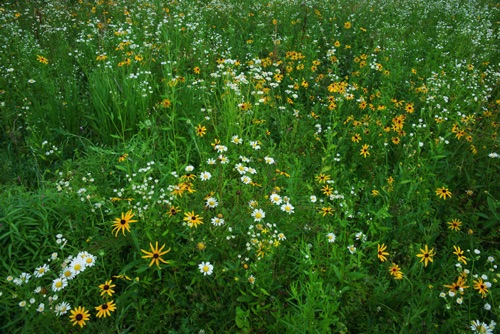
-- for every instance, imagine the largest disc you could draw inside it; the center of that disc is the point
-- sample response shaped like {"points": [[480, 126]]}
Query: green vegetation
{"points": [[275, 166]]}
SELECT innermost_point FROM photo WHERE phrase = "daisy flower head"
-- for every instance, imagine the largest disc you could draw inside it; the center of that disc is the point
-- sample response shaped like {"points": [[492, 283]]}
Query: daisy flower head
{"points": [[206, 268], [79, 316], [288, 208], [78, 265], [246, 179], [88, 258], [351, 249], [211, 202], [40, 307], [331, 237], [189, 168], [255, 145], [269, 160], [58, 284], [275, 199], [24, 278], [313, 199], [68, 273], [216, 221], [251, 279], [62, 308], [236, 140], [40, 271], [211, 161], [258, 214], [205, 176], [241, 169]]}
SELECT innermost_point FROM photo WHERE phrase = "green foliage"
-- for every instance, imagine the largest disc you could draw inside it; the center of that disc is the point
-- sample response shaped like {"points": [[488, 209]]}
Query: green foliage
{"points": [[250, 167]]}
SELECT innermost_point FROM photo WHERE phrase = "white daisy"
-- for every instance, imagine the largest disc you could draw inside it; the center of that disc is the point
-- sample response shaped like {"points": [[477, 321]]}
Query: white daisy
{"points": [[40, 271], [211, 202], [241, 169], [246, 180], [258, 214], [331, 237], [62, 308], [216, 221], [189, 168], [287, 207], [269, 160], [275, 199], [58, 284], [236, 140], [205, 176], [206, 268]]}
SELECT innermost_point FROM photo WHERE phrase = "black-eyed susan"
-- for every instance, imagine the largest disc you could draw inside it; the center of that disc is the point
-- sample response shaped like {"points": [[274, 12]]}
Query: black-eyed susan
{"points": [[454, 224], [79, 315], [173, 211], [192, 219], [457, 286], [107, 288], [155, 254], [481, 287], [426, 255], [364, 150], [395, 271], [460, 254], [105, 309], [201, 130], [443, 193], [322, 178], [380, 252], [123, 223]]}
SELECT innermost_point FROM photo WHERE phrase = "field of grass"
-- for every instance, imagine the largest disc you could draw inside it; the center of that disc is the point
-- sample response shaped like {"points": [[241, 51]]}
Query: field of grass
{"points": [[228, 166]]}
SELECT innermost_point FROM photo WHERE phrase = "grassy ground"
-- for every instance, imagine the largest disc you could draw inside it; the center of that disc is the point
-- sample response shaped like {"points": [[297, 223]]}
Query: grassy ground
{"points": [[251, 167]]}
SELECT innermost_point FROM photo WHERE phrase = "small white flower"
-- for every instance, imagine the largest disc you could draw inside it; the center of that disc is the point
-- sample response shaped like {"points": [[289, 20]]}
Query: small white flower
{"points": [[236, 140], [331, 237], [78, 265], [241, 169], [269, 160], [246, 180], [477, 251], [89, 260], [451, 293], [251, 279], [351, 249], [460, 300], [189, 168], [211, 161], [275, 199], [255, 145], [211, 202], [442, 295], [40, 271], [205, 176], [31, 81], [487, 307], [58, 284], [281, 237], [32, 301], [22, 303], [216, 221], [287, 207], [258, 214], [68, 273], [491, 259], [313, 199], [62, 308], [41, 307], [206, 268]]}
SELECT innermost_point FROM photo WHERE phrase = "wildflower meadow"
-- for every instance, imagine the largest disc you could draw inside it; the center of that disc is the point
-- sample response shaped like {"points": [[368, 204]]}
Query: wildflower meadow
{"points": [[224, 166]]}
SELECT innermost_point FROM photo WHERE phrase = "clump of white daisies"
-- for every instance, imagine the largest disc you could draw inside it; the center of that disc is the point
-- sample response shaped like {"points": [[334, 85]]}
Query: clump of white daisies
{"points": [[50, 280]]}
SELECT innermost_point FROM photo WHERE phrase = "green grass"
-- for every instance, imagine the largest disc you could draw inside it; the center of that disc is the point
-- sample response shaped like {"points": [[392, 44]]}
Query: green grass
{"points": [[281, 142]]}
